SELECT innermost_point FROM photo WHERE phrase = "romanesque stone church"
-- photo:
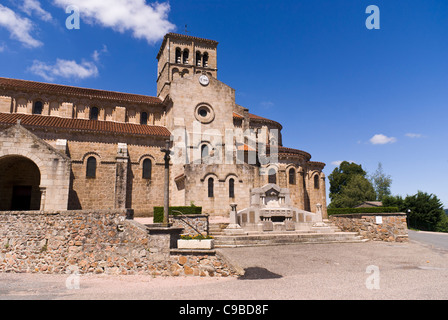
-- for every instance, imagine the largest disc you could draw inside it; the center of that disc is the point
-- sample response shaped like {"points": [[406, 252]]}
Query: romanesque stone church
{"points": [[74, 148]]}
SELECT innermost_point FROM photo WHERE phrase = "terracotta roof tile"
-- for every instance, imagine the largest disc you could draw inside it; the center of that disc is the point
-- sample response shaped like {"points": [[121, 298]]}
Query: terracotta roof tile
{"points": [[245, 147], [49, 88], [320, 164], [83, 125], [292, 152], [254, 117], [237, 116]]}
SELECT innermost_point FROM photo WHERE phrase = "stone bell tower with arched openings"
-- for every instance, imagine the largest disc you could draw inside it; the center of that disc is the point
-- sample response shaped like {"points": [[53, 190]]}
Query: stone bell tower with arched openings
{"points": [[183, 55]]}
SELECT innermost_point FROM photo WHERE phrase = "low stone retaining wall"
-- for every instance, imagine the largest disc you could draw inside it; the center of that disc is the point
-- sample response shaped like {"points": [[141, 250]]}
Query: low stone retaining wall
{"points": [[96, 242], [192, 224], [391, 227]]}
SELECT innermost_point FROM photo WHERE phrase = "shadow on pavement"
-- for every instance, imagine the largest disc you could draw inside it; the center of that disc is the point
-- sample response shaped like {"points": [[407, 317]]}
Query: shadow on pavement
{"points": [[257, 273]]}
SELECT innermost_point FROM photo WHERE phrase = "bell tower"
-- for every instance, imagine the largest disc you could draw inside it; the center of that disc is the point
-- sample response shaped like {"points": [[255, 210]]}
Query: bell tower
{"points": [[181, 56]]}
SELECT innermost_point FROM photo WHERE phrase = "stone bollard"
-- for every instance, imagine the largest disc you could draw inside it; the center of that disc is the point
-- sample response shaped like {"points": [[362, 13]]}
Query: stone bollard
{"points": [[234, 228]]}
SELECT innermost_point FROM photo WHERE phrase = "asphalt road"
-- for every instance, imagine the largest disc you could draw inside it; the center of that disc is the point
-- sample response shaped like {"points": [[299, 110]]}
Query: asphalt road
{"points": [[434, 239], [371, 270]]}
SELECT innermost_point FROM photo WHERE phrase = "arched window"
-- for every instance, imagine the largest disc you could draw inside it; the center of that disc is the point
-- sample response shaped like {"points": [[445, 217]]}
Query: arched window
{"points": [[210, 188], [198, 59], [272, 178], [205, 153], [316, 181], [186, 56], [94, 113], [205, 60], [38, 107], [178, 55], [144, 118], [91, 167], [147, 169], [232, 188], [292, 176]]}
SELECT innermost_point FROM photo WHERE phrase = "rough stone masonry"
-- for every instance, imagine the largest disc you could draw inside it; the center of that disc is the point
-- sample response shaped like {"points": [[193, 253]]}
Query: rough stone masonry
{"points": [[96, 242]]}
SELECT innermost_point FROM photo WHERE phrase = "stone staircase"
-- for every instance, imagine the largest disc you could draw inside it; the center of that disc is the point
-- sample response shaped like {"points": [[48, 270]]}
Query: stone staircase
{"points": [[217, 229], [272, 238]]}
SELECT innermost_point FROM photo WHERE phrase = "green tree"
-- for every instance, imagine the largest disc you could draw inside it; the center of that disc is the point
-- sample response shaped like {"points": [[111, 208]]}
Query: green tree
{"points": [[394, 201], [381, 183], [349, 186], [342, 174], [442, 225], [426, 212]]}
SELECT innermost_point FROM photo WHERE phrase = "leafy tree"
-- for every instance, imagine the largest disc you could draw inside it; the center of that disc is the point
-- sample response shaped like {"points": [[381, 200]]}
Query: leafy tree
{"points": [[394, 201], [426, 212], [342, 174], [357, 190], [442, 225], [381, 183]]}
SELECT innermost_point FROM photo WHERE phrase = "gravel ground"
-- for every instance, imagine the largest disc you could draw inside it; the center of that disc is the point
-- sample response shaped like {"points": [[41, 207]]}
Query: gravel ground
{"points": [[291, 272]]}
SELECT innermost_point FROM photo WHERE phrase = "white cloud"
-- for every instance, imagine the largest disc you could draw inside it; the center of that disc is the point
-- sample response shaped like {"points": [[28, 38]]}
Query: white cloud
{"points": [[33, 6], [64, 69], [2, 47], [267, 104], [97, 54], [382, 139], [18, 27], [145, 21], [414, 135]]}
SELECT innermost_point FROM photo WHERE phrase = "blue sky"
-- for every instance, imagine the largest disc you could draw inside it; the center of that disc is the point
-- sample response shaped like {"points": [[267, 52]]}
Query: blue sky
{"points": [[341, 91]]}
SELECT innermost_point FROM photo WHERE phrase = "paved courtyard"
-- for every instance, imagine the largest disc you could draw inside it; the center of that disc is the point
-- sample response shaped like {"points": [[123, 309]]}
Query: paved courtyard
{"points": [[369, 270]]}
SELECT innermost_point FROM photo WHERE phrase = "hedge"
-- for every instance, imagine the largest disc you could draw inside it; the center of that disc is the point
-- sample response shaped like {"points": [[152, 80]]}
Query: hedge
{"points": [[362, 210], [158, 212]]}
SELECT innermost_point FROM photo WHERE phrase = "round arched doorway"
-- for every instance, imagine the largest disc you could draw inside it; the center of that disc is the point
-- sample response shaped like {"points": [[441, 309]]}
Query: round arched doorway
{"points": [[19, 184]]}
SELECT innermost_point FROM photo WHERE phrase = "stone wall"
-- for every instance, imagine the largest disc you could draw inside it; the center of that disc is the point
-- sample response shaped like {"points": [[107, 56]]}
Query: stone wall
{"points": [[96, 242], [192, 224], [391, 227]]}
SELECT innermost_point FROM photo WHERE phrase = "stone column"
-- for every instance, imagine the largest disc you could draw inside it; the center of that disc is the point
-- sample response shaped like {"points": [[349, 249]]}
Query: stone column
{"points": [[301, 187], [166, 193], [43, 197], [233, 228], [121, 177], [323, 197]]}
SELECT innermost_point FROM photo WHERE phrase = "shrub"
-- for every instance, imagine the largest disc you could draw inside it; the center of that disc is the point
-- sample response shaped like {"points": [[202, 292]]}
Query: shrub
{"points": [[362, 210], [196, 237], [158, 212]]}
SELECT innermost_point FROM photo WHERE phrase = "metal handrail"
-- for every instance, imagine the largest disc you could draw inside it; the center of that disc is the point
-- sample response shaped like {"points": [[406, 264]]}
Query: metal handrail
{"points": [[183, 219]]}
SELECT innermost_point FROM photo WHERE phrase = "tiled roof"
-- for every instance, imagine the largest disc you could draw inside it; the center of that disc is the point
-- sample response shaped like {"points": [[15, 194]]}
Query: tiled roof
{"points": [[245, 147], [237, 116], [183, 37], [254, 117], [6, 83], [320, 164], [38, 121], [292, 152]]}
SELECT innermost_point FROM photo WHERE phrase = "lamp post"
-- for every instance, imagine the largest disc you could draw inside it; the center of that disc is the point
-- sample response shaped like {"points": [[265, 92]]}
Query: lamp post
{"points": [[166, 200], [408, 221]]}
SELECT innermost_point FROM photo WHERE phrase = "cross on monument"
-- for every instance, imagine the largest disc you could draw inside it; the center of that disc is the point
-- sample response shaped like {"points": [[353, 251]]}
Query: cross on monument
{"points": [[166, 200]]}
